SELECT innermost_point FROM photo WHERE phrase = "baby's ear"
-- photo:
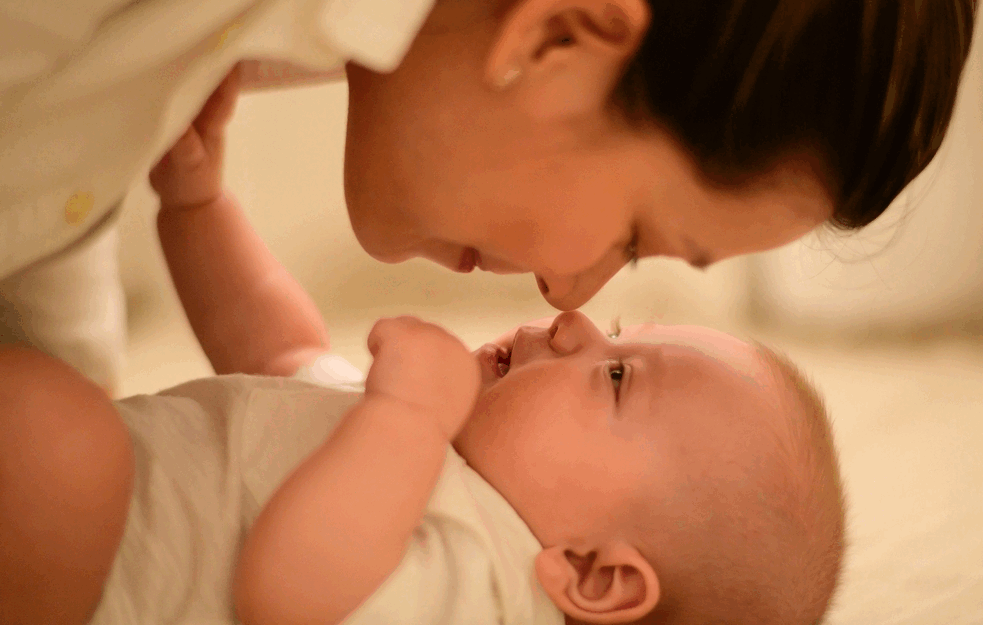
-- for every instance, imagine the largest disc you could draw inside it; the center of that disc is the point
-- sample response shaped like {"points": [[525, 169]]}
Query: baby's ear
{"points": [[613, 583]]}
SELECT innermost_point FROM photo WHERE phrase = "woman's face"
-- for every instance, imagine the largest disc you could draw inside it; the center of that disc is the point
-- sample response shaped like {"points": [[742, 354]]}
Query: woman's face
{"points": [[542, 176]]}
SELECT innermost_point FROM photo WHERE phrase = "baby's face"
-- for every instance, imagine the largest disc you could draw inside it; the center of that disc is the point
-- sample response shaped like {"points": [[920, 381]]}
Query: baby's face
{"points": [[573, 427]]}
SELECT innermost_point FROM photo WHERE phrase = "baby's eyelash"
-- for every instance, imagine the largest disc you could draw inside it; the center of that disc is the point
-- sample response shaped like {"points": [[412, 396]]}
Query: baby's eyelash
{"points": [[617, 372]]}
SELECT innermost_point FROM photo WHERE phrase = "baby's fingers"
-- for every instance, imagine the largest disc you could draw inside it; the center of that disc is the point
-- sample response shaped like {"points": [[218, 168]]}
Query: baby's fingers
{"points": [[188, 152], [218, 110]]}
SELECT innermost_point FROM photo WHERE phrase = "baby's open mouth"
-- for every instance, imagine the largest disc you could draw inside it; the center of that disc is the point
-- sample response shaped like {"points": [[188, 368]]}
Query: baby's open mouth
{"points": [[504, 360]]}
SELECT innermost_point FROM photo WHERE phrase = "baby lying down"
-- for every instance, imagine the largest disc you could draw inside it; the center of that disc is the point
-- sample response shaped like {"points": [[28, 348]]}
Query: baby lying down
{"points": [[670, 475]]}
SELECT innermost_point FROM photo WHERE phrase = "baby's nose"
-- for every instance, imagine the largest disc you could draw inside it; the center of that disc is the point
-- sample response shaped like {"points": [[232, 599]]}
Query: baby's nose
{"points": [[570, 332]]}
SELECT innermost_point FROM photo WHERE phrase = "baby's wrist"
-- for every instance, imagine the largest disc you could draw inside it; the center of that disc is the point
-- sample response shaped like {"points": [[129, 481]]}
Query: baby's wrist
{"points": [[174, 205], [421, 419]]}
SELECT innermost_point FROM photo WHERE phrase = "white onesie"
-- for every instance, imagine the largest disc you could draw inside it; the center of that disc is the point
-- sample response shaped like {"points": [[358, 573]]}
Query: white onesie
{"points": [[209, 453]]}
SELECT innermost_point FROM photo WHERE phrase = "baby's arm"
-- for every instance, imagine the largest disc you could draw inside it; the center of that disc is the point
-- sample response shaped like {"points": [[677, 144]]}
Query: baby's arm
{"points": [[341, 523], [248, 312]]}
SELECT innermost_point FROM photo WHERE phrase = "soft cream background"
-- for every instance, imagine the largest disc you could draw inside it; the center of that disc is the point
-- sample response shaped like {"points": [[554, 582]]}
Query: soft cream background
{"points": [[887, 322]]}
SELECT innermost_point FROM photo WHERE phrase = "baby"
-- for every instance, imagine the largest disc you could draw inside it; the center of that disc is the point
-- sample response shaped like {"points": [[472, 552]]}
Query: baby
{"points": [[669, 475]]}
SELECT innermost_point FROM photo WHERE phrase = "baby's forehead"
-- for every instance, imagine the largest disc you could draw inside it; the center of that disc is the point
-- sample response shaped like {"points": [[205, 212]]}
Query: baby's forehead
{"points": [[708, 342], [733, 367], [737, 386], [659, 331]]}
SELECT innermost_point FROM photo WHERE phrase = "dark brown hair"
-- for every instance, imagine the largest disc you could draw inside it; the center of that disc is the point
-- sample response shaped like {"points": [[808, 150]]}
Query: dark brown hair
{"points": [[869, 85]]}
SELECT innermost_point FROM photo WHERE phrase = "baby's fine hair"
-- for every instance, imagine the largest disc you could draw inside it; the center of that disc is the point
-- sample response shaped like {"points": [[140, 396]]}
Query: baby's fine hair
{"points": [[867, 86], [820, 488], [770, 551]]}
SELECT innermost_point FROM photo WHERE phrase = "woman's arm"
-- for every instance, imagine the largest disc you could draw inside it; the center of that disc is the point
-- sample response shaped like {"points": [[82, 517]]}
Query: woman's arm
{"points": [[340, 524], [249, 314]]}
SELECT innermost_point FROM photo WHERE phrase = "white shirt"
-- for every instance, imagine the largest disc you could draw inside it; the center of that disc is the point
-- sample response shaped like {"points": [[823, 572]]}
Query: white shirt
{"points": [[93, 92]]}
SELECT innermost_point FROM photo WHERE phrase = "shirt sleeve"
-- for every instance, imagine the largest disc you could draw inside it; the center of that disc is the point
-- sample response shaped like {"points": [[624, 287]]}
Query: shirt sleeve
{"points": [[445, 578], [332, 371], [36, 34]]}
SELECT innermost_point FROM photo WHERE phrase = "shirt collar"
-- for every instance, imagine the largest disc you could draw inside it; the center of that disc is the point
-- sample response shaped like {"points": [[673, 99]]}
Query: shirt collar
{"points": [[374, 33]]}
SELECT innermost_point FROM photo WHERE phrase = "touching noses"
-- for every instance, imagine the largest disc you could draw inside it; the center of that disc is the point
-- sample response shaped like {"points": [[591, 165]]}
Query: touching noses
{"points": [[572, 292], [571, 332]]}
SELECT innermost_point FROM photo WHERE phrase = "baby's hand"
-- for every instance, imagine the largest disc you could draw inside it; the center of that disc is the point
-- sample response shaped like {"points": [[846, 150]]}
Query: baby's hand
{"points": [[190, 174], [425, 367]]}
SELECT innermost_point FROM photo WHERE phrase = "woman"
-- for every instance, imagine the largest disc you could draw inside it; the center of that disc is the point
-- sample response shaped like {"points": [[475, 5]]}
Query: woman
{"points": [[562, 139]]}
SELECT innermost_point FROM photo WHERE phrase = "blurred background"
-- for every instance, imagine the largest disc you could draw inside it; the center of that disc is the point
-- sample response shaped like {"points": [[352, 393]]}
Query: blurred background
{"points": [[888, 322]]}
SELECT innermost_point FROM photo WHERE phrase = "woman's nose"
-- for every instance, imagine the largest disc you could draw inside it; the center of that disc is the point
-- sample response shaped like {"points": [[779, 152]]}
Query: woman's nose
{"points": [[571, 332], [572, 292], [564, 293]]}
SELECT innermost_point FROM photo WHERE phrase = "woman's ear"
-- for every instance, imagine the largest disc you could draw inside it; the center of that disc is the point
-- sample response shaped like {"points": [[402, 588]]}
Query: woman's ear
{"points": [[563, 58], [611, 584]]}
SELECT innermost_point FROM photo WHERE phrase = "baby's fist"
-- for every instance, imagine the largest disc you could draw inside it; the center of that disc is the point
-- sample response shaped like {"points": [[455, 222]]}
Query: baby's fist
{"points": [[424, 367], [190, 174]]}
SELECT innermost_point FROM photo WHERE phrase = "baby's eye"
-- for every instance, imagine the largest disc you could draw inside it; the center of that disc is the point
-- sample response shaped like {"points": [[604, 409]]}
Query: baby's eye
{"points": [[616, 371]]}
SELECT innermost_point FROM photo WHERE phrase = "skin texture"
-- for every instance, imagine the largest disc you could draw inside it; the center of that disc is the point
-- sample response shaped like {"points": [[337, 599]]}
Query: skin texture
{"points": [[552, 181], [583, 429]]}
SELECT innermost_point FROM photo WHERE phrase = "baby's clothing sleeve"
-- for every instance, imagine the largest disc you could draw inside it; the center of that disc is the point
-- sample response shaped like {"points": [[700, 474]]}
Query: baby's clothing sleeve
{"points": [[445, 578], [469, 562], [334, 372]]}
